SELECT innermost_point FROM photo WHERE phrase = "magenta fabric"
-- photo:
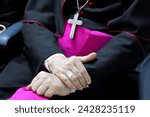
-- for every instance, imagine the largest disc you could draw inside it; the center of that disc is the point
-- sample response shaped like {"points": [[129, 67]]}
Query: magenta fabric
{"points": [[24, 94], [84, 42]]}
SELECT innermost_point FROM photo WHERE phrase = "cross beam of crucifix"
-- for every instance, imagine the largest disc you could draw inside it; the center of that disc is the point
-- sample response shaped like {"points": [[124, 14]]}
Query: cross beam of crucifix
{"points": [[74, 23]]}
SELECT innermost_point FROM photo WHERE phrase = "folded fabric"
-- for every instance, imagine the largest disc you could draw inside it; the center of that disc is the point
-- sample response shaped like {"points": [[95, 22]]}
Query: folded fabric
{"points": [[84, 42], [25, 94]]}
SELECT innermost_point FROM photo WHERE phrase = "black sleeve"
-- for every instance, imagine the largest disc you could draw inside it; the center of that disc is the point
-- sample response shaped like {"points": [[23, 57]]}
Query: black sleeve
{"points": [[39, 30], [113, 62], [124, 51]]}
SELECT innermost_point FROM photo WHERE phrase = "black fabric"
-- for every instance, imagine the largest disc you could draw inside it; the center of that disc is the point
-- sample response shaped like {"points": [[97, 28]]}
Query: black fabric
{"points": [[144, 78], [5, 93], [11, 11], [14, 65], [125, 19]]}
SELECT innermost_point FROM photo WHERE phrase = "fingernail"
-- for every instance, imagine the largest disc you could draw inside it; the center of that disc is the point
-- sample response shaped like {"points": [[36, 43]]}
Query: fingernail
{"points": [[89, 83]]}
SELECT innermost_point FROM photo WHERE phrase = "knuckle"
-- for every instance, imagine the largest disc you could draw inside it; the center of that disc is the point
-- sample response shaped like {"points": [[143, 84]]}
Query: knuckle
{"points": [[82, 81], [58, 87], [76, 72], [54, 70], [68, 63], [74, 79], [48, 81], [62, 70], [78, 75], [84, 71], [59, 70], [55, 86], [42, 73], [65, 80], [72, 60]]}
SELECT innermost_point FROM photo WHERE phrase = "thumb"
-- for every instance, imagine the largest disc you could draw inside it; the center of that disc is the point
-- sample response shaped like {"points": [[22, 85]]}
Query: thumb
{"points": [[88, 58]]}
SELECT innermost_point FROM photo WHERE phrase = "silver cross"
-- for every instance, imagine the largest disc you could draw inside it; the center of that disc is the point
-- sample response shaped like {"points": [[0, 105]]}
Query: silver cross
{"points": [[74, 23]]}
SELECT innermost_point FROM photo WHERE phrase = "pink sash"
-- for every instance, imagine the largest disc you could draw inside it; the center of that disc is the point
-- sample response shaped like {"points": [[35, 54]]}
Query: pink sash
{"points": [[84, 42], [24, 94]]}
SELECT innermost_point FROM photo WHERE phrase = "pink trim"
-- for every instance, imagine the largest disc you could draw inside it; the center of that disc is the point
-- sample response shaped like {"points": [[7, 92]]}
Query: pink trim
{"points": [[34, 21], [136, 39], [146, 39], [132, 35]]}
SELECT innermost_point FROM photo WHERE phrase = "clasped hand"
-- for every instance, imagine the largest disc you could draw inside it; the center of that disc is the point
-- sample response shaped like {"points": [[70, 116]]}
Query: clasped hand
{"points": [[67, 73]]}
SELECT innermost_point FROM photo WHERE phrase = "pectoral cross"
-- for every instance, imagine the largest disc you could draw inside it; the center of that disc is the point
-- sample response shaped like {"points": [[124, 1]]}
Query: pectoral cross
{"points": [[74, 23]]}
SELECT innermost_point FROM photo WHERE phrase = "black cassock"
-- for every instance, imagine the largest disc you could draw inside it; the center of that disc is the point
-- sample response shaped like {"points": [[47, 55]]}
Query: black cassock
{"points": [[13, 64], [127, 20]]}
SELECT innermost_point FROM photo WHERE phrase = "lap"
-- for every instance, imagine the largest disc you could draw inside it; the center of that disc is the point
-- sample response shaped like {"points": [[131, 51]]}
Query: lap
{"points": [[17, 73]]}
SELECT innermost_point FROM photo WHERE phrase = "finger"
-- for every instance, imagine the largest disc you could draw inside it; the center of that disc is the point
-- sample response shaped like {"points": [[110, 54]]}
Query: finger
{"points": [[42, 89], [78, 79], [40, 76], [87, 58], [84, 72], [75, 81], [36, 78], [66, 81], [29, 87], [49, 93], [62, 89], [37, 84]]}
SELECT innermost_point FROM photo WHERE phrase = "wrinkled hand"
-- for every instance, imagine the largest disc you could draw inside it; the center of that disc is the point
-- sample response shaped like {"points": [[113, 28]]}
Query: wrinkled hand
{"points": [[71, 71], [47, 84]]}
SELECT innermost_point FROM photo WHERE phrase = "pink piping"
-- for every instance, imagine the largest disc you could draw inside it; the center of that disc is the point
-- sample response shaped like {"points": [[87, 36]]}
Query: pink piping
{"points": [[132, 35]]}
